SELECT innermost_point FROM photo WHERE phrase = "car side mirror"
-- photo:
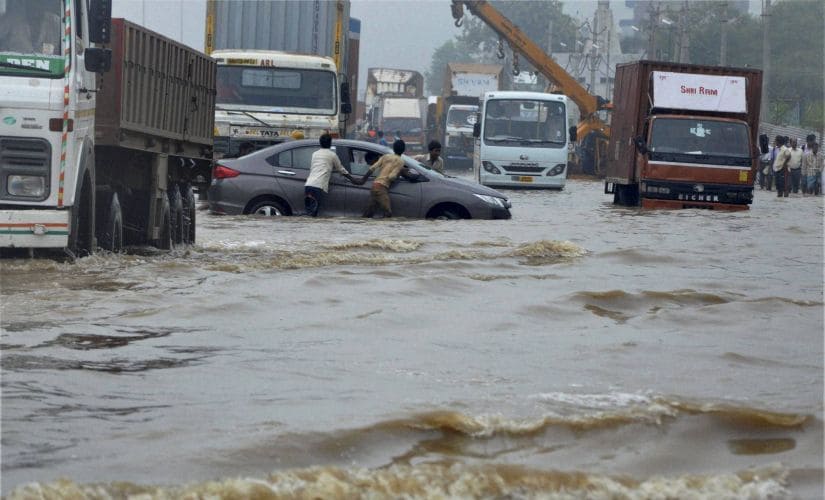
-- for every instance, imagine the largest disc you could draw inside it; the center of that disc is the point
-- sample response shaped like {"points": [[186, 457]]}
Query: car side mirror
{"points": [[476, 129], [640, 145], [97, 60], [574, 134], [100, 21]]}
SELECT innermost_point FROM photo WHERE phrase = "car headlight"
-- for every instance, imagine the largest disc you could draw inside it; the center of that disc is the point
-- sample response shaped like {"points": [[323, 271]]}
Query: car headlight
{"points": [[492, 200], [31, 186]]}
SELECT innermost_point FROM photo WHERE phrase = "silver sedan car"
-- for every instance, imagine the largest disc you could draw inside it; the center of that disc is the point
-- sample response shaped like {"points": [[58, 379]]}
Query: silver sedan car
{"points": [[271, 182]]}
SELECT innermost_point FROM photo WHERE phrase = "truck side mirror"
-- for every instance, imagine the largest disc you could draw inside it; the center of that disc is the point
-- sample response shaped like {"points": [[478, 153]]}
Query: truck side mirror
{"points": [[763, 144], [640, 145], [574, 134], [100, 21], [346, 105], [476, 129], [97, 60]]}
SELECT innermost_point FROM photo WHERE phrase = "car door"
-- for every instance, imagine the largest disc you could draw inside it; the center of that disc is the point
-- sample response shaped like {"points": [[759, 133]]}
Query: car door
{"points": [[405, 196], [291, 171]]}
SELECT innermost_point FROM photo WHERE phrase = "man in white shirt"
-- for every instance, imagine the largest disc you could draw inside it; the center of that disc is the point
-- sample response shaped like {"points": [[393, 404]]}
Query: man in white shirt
{"points": [[323, 162], [795, 166], [780, 170]]}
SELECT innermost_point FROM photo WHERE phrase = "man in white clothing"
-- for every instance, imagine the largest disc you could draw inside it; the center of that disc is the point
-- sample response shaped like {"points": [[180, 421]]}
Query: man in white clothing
{"points": [[323, 162]]}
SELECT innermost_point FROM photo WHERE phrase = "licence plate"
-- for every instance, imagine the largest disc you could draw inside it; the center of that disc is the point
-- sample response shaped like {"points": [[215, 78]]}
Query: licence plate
{"points": [[522, 178]]}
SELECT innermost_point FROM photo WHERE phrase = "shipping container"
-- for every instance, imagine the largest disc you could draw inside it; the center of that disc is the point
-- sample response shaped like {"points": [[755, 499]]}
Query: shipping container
{"points": [[392, 82], [299, 26], [159, 95], [472, 80]]}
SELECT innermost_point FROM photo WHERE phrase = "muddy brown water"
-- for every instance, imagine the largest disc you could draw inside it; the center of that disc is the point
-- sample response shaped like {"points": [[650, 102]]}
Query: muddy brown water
{"points": [[577, 350]]}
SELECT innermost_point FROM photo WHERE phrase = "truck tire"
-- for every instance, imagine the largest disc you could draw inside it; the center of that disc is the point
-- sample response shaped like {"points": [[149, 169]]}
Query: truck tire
{"points": [[189, 210], [164, 241], [110, 236], [82, 220], [176, 212]]}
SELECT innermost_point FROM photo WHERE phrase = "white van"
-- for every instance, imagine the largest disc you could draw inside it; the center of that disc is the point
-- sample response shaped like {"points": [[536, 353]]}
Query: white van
{"points": [[521, 140]]}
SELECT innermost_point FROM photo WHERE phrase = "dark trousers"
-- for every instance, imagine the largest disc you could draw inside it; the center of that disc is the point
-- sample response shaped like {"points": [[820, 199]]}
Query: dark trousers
{"points": [[796, 175], [379, 199], [312, 200], [781, 182]]}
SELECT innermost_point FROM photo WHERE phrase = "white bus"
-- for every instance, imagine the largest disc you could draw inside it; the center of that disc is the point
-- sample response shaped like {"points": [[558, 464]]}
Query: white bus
{"points": [[521, 140]]}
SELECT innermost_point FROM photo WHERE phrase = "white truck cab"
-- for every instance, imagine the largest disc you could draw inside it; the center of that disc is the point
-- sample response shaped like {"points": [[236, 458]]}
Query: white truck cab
{"points": [[521, 140], [263, 96]]}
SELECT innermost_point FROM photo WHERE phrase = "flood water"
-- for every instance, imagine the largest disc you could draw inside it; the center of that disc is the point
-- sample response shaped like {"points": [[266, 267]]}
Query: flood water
{"points": [[577, 350]]}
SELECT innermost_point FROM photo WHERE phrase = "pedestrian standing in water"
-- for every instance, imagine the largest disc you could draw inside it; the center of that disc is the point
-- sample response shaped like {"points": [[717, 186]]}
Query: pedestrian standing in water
{"points": [[433, 159], [795, 166], [812, 169], [389, 167], [780, 166], [324, 161]]}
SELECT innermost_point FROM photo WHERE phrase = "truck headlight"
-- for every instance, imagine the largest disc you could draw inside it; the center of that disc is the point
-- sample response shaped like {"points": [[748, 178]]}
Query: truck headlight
{"points": [[558, 169], [490, 168], [30, 186], [492, 200]]}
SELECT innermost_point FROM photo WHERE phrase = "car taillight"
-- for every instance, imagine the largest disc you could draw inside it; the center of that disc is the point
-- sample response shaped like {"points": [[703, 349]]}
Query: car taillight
{"points": [[221, 172]]}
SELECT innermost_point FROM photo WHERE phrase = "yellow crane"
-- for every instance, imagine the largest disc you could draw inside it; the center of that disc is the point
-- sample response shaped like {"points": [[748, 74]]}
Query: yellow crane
{"points": [[592, 132]]}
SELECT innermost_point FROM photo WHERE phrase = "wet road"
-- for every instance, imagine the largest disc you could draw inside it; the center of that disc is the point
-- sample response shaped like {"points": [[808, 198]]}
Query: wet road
{"points": [[578, 347]]}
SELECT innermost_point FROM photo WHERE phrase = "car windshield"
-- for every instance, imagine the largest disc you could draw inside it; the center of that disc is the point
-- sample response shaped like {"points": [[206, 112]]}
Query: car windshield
{"points": [[281, 90], [699, 137], [421, 166], [461, 117], [30, 36], [518, 122]]}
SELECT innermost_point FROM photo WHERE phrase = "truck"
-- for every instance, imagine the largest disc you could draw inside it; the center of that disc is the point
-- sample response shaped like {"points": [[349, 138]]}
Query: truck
{"points": [[283, 67], [395, 103], [457, 109], [404, 116], [99, 146], [684, 136]]}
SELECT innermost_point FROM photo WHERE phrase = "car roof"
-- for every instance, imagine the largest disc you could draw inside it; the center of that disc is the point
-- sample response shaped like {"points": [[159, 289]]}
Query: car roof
{"points": [[314, 142]]}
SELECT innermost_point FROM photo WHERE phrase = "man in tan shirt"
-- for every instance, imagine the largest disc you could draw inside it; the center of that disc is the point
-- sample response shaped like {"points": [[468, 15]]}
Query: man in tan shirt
{"points": [[389, 167], [433, 159]]}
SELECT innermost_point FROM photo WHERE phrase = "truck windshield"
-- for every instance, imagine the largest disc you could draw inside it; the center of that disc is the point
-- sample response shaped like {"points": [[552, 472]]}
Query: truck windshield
{"points": [[280, 90], [405, 125], [707, 138], [465, 118], [30, 36], [519, 122]]}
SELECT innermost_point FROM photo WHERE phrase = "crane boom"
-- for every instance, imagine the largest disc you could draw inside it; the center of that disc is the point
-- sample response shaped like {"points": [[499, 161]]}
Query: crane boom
{"points": [[518, 40], [590, 126]]}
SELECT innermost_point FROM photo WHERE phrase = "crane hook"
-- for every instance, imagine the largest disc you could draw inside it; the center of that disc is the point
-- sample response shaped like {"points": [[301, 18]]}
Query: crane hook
{"points": [[500, 50], [458, 13]]}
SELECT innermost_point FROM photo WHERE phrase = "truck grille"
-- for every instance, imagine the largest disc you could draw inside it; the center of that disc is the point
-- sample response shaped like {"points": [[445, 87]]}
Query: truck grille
{"points": [[24, 156], [523, 170]]}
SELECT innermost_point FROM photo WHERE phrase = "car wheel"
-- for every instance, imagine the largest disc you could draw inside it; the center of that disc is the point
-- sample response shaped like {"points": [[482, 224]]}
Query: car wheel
{"points": [[269, 208], [448, 214]]}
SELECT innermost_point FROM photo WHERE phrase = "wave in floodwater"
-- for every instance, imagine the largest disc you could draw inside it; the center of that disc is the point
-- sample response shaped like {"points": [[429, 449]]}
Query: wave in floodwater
{"points": [[438, 480]]}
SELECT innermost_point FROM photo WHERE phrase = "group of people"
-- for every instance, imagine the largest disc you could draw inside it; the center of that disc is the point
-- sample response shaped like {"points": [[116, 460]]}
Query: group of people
{"points": [[790, 167], [388, 167]]}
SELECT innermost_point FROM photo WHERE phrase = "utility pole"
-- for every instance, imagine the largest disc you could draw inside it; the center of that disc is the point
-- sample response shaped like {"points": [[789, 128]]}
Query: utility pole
{"points": [[723, 46], [653, 14], [766, 59], [594, 52]]}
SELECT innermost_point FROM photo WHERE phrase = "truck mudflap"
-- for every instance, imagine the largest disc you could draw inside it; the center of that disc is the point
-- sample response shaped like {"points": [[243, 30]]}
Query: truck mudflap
{"points": [[34, 228]]}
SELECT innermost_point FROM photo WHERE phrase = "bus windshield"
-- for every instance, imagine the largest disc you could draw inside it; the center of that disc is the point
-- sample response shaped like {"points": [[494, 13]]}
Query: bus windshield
{"points": [[281, 90], [519, 122], [30, 36]]}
